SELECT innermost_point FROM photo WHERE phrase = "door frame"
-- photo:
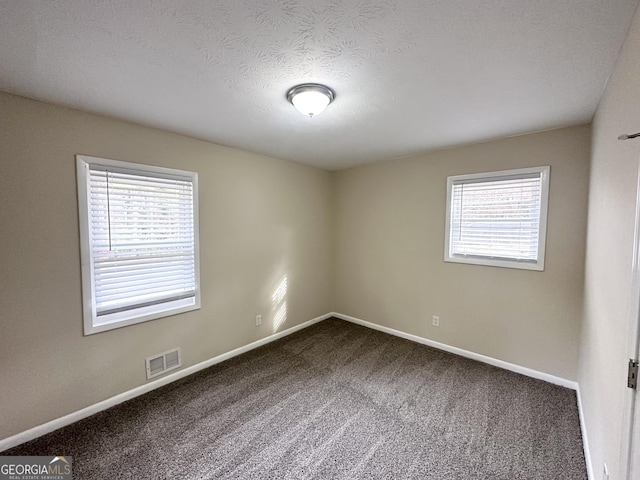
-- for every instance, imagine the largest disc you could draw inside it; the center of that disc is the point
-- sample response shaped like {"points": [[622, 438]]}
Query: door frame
{"points": [[630, 448]]}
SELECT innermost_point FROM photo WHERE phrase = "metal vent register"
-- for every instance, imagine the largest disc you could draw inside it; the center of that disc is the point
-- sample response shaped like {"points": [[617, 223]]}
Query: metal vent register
{"points": [[159, 364]]}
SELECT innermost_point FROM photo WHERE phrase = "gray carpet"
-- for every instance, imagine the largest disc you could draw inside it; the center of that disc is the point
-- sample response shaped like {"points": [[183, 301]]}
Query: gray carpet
{"points": [[335, 400]]}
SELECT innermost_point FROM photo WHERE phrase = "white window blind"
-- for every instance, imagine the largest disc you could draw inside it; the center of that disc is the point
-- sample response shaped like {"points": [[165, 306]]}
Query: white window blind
{"points": [[142, 242], [498, 218]]}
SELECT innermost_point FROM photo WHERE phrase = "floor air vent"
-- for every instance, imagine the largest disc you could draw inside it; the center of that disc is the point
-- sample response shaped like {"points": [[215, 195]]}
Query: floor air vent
{"points": [[159, 364]]}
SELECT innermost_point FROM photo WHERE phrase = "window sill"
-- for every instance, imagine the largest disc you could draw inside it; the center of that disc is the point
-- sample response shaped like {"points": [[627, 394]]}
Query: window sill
{"points": [[140, 315]]}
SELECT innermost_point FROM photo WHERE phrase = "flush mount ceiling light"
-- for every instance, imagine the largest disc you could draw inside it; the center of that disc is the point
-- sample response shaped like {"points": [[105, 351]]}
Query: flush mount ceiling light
{"points": [[310, 98]]}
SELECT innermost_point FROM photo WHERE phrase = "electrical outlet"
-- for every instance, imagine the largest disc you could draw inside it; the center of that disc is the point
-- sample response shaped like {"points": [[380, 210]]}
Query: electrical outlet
{"points": [[258, 320], [436, 321], [605, 471]]}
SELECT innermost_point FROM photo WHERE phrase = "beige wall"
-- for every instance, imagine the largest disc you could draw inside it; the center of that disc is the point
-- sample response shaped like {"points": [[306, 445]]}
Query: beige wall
{"points": [[612, 200], [390, 220], [261, 219]]}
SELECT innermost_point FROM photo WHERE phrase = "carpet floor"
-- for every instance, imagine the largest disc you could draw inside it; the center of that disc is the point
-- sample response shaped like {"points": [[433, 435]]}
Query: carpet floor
{"points": [[333, 401]]}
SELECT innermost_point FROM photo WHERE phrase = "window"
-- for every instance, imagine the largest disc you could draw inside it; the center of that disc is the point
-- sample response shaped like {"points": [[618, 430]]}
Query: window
{"points": [[498, 218], [139, 242]]}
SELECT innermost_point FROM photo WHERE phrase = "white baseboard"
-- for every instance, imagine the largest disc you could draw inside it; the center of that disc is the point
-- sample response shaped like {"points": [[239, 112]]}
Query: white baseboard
{"points": [[48, 427], [464, 353], [585, 440]]}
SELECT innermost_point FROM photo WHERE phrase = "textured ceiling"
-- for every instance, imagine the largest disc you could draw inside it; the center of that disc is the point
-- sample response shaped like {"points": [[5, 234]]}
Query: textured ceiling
{"points": [[409, 76]]}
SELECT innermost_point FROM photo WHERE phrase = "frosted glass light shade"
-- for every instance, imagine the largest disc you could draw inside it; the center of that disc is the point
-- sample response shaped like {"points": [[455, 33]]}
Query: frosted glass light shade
{"points": [[310, 98], [310, 102]]}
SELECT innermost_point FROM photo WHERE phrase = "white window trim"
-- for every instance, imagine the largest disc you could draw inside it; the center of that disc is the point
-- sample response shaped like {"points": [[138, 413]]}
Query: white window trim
{"points": [[143, 314], [501, 262]]}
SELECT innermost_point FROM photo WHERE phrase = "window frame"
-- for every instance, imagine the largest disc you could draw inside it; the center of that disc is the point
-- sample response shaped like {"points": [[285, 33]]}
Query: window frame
{"points": [[492, 261], [139, 314]]}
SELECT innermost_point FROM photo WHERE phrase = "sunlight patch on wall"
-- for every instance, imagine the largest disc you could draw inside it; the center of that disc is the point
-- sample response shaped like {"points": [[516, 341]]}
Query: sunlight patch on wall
{"points": [[279, 301]]}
